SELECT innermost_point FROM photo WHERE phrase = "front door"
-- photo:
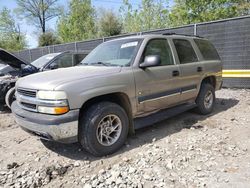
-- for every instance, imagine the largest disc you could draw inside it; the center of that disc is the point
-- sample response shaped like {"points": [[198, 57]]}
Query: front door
{"points": [[157, 87]]}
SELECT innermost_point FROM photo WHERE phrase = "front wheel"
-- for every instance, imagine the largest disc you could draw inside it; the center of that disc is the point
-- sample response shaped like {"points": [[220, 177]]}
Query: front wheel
{"points": [[10, 97], [206, 99], [103, 128]]}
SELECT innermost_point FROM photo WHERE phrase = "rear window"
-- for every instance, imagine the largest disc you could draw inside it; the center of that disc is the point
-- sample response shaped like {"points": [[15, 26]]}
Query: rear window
{"points": [[207, 50], [185, 51]]}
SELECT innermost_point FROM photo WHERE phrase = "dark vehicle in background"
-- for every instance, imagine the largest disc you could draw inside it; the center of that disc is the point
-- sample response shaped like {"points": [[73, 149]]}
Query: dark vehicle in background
{"points": [[12, 68]]}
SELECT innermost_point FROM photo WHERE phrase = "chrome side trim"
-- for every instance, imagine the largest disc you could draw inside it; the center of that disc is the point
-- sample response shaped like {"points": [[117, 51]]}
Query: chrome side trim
{"points": [[187, 91], [171, 95]]}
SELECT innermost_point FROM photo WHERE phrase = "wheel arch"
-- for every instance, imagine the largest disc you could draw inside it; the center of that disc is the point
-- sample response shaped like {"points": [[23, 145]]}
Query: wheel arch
{"points": [[119, 98], [210, 80]]}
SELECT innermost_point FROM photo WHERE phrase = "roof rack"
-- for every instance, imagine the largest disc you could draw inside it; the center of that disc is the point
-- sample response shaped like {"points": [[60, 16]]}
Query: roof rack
{"points": [[182, 35]]}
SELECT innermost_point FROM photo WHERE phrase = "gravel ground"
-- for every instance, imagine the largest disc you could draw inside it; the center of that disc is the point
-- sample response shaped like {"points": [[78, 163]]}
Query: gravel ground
{"points": [[188, 150]]}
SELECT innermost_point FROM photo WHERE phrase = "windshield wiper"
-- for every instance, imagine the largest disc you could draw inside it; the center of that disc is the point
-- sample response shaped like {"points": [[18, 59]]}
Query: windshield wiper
{"points": [[101, 63], [96, 63]]}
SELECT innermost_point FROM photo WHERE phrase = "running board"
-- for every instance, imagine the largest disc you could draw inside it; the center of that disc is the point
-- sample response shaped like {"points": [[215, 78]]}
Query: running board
{"points": [[161, 115]]}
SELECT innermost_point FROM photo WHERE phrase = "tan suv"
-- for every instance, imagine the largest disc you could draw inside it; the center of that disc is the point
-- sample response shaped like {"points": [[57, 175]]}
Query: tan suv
{"points": [[122, 85]]}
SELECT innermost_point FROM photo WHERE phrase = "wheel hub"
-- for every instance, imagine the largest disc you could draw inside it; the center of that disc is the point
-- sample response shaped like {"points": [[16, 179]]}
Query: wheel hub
{"points": [[208, 100], [109, 130]]}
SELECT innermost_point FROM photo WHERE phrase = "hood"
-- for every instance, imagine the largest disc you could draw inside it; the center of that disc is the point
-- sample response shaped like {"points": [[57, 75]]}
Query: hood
{"points": [[10, 59], [49, 80]]}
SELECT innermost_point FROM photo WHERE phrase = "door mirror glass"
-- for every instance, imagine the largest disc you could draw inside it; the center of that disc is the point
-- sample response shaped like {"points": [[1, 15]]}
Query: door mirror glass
{"points": [[151, 61]]}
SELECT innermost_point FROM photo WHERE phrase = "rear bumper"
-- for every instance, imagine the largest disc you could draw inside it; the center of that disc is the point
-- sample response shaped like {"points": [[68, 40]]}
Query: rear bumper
{"points": [[60, 128]]}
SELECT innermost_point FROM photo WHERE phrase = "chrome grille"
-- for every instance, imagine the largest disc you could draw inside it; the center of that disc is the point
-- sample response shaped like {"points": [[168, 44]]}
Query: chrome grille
{"points": [[25, 92], [26, 99]]}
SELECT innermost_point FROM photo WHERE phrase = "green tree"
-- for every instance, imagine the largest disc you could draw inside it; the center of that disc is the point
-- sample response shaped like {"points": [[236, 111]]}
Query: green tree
{"points": [[48, 38], [109, 24], [243, 7], [11, 37], [194, 11], [151, 14], [38, 12], [79, 23], [130, 18], [179, 14]]}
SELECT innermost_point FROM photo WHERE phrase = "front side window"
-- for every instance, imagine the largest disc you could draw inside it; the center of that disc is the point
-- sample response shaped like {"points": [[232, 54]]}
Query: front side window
{"points": [[159, 47], [185, 51], [207, 50], [63, 61], [113, 53], [42, 61]]}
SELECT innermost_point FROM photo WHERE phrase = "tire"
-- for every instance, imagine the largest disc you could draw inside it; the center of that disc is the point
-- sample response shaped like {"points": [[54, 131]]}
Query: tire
{"points": [[205, 106], [10, 97], [95, 123]]}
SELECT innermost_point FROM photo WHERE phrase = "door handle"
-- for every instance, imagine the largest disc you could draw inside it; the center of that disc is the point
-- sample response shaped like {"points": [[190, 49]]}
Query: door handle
{"points": [[176, 73], [199, 69]]}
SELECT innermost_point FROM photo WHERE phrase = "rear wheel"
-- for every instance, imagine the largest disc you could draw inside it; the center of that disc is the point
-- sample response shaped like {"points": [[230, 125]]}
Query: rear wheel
{"points": [[10, 97], [103, 128], [206, 99]]}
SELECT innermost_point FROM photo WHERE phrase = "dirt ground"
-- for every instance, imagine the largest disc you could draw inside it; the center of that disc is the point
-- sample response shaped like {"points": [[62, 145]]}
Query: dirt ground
{"points": [[188, 150]]}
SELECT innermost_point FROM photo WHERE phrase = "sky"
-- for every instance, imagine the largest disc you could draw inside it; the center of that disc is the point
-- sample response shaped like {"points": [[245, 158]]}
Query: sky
{"points": [[32, 33]]}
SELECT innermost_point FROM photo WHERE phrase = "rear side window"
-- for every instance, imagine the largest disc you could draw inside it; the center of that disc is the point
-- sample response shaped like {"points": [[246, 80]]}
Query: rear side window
{"points": [[207, 50], [185, 51]]}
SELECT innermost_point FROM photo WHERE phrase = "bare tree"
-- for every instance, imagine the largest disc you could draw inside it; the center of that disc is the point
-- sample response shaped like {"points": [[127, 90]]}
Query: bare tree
{"points": [[38, 11]]}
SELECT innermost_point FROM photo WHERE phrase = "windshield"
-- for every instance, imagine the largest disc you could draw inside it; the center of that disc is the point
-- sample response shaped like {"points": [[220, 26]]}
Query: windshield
{"points": [[40, 62], [114, 53]]}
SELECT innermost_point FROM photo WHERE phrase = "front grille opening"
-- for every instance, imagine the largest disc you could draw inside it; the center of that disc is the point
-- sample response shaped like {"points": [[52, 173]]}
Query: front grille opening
{"points": [[28, 105], [27, 93]]}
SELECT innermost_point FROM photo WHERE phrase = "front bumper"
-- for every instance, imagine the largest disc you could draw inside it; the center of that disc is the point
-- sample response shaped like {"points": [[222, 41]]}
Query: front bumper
{"points": [[60, 128]]}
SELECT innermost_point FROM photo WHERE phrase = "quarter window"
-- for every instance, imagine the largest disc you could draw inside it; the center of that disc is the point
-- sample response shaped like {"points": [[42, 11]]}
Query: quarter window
{"points": [[159, 47], [185, 51], [207, 50]]}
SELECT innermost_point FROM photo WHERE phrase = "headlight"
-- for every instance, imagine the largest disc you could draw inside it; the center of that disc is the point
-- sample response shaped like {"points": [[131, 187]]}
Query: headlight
{"points": [[51, 95], [52, 102]]}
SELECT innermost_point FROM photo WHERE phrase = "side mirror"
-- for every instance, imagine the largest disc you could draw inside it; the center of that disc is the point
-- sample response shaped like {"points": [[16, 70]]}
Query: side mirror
{"points": [[151, 61], [53, 66]]}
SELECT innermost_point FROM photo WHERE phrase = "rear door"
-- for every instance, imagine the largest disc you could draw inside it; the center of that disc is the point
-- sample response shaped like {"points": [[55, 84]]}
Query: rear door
{"points": [[157, 87], [191, 69]]}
